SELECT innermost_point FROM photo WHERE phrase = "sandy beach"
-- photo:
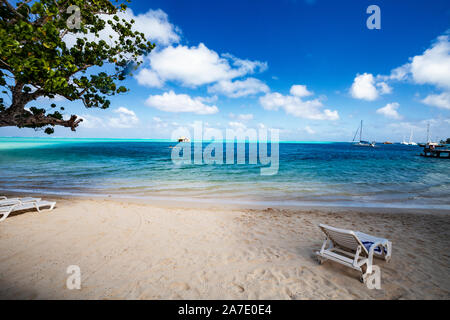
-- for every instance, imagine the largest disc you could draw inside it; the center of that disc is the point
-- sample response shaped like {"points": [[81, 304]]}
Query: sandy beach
{"points": [[132, 250]]}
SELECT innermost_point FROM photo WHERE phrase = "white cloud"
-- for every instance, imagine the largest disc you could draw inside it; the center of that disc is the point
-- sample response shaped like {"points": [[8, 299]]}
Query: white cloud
{"points": [[300, 91], [384, 87], [57, 98], [91, 122], [172, 102], [154, 24], [433, 66], [149, 78], [241, 117], [390, 111], [245, 65], [126, 118], [245, 117], [197, 65], [239, 88], [329, 115], [125, 111], [438, 100], [399, 73], [158, 123], [309, 130], [363, 87], [294, 105], [236, 124], [210, 99]]}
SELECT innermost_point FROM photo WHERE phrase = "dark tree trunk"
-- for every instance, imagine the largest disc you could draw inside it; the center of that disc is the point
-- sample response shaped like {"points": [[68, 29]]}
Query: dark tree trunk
{"points": [[16, 115]]}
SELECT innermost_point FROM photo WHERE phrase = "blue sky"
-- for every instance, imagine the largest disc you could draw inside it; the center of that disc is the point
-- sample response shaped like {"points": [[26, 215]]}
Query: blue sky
{"points": [[310, 68]]}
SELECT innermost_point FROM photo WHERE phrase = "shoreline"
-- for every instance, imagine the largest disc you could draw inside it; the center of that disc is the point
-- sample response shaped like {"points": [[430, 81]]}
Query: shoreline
{"points": [[213, 203], [135, 250]]}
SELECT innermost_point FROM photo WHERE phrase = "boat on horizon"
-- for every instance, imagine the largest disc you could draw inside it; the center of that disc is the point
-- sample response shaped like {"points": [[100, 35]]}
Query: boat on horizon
{"points": [[410, 142], [430, 143], [184, 139], [362, 143], [404, 142]]}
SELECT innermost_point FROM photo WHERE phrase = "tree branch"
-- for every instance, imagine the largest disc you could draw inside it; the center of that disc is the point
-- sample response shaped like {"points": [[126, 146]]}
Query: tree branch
{"points": [[5, 66], [11, 7], [25, 2], [28, 120]]}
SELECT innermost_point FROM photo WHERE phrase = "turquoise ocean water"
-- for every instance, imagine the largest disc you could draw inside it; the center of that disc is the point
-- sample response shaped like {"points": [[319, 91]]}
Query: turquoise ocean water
{"points": [[309, 173]]}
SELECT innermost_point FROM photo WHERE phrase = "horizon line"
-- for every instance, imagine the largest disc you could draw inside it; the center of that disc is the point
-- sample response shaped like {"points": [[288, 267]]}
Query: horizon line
{"points": [[175, 141]]}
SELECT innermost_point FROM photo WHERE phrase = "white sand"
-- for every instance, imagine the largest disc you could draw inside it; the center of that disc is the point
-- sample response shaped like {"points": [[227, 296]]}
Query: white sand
{"points": [[132, 250]]}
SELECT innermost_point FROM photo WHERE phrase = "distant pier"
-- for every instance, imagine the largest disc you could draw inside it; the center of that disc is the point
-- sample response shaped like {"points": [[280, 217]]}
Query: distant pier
{"points": [[435, 151]]}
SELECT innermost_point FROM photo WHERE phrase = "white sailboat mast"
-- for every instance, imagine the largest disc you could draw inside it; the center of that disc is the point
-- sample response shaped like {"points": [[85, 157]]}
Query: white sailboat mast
{"points": [[360, 132]]}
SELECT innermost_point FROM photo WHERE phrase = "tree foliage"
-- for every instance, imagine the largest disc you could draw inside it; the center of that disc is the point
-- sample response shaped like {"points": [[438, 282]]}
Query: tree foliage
{"points": [[35, 60]]}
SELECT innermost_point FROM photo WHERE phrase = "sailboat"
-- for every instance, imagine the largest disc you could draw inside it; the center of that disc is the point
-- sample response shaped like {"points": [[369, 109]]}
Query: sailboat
{"points": [[361, 142], [411, 143], [403, 141], [429, 142]]}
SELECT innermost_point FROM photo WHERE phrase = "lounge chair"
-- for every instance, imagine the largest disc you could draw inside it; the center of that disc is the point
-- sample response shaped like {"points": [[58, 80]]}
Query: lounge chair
{"points": [[353, 249], [5, 210], [4, 201]]}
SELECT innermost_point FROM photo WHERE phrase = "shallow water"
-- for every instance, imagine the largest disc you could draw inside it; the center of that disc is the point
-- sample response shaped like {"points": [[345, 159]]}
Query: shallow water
{"points": [[309, 173]]}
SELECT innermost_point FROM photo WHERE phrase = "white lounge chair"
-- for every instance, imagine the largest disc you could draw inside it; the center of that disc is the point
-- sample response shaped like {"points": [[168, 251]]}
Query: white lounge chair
{"points": [[4, 201], [353, 249], [5, 210]]}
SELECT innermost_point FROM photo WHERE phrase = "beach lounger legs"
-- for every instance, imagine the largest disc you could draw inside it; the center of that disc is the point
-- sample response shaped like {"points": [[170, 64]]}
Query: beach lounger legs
{"points": [[5, 211], [353, 249], [354, 261]]}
